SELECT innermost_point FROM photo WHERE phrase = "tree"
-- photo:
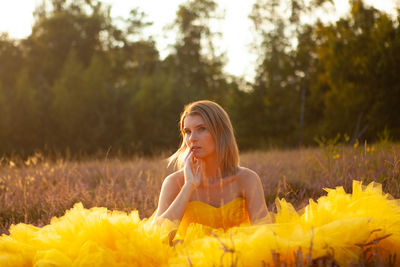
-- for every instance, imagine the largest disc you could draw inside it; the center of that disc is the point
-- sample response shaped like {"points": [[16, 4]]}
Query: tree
{"points": [[78, 26], [11, 61], [196, 68], [275, 97], [286, 67], [4, 121], [68, 105], [359, 54]]}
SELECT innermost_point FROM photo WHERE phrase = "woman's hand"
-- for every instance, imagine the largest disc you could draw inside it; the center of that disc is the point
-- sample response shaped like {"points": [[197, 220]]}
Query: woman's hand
{"points": [[192, 171], [173, 197]]}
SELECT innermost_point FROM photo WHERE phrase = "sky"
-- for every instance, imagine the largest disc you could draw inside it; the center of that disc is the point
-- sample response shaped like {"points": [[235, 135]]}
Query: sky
{"points": [[16, 19]]}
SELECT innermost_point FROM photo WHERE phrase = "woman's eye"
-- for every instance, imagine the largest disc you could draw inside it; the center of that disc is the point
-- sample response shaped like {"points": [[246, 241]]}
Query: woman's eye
{"points": [[187, 132], [202, 128]]}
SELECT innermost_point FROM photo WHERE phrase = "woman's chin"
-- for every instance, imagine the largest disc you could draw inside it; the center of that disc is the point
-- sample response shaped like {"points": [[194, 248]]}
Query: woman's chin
{"points": [[198, 155]]}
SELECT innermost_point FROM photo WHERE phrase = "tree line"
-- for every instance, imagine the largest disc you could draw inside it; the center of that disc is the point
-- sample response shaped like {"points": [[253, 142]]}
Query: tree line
{"points": [[83, 82]]}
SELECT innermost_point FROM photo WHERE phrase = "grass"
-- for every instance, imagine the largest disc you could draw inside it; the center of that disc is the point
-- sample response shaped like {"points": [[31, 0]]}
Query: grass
{"points": [[35, 189]]}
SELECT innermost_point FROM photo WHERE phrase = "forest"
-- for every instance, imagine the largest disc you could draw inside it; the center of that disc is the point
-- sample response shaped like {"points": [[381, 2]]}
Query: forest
{"points": [[83, 83]]}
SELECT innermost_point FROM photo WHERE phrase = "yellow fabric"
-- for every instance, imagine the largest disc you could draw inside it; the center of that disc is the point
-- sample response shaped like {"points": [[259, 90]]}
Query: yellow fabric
{"points": [[231, 214], [348, 228]]}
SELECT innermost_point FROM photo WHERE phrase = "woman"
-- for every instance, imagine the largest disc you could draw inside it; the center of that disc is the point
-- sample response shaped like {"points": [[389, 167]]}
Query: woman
{"points": [[208, 196], [209, 173]]}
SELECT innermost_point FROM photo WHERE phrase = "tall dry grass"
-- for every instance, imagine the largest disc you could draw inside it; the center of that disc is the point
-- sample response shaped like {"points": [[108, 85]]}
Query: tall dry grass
{"points": [[36, 189]]}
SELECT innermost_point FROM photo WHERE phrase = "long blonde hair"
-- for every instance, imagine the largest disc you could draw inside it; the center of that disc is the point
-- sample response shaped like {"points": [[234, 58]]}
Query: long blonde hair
{"points": [[221, 130]]}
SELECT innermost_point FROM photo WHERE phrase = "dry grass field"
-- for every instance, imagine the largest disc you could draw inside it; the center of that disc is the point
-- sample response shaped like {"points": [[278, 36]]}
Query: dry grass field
{"points": [[36, 189]]}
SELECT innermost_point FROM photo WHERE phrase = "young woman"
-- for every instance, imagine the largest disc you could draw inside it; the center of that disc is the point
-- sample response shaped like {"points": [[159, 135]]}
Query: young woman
{"points": [[211, 192], [209, 174]]}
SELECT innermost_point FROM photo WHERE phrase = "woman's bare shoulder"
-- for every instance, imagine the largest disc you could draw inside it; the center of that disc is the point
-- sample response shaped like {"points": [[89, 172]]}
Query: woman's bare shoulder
{"points": [[176, 179], [247, 177]]}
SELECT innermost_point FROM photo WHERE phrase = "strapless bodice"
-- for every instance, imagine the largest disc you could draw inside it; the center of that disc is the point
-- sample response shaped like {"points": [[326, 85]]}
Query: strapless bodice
{"points": [[233, 213]]}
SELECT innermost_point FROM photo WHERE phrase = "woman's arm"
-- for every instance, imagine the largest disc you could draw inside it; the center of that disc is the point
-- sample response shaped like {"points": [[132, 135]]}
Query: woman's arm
{"points": [[254, 195], [177, 190], [173, 197]]}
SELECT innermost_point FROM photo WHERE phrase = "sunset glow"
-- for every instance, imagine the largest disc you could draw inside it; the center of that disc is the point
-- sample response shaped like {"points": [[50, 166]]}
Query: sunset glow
{"points": [[18, 21]]}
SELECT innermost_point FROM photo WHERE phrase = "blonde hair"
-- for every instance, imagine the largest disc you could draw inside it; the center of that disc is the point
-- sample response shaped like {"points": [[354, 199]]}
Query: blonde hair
{"points": [[221, 130]]}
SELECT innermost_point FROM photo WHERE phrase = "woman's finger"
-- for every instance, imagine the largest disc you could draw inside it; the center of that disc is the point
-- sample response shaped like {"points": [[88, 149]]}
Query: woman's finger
{"points": [[198, 174], [188, 155]]}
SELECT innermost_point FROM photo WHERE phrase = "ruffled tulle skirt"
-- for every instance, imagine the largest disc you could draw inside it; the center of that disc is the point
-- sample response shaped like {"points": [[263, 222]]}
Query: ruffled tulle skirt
{"points": [[343, 228]]}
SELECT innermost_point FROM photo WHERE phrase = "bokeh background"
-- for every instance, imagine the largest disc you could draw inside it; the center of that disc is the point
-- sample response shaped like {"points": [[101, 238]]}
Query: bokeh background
{"points": [[84, 82]]}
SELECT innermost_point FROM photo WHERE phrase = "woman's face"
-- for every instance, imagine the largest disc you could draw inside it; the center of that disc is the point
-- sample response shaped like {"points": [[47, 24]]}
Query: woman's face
{"points": [[198, 137]]}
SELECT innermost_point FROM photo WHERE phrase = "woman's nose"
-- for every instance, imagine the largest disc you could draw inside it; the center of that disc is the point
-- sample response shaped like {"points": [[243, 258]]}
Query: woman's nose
{"points": [[193, 137]]}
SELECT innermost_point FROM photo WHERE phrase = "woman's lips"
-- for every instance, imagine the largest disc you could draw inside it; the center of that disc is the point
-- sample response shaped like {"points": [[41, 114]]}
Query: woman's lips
{"points": [[195, 148]]}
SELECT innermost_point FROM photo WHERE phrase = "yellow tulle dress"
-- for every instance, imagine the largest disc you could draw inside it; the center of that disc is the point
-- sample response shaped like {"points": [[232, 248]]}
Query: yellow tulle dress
{"points": [[348, 229]]}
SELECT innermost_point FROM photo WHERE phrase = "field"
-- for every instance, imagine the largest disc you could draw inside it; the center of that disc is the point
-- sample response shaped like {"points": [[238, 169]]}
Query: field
{"points": [[36, 189]]}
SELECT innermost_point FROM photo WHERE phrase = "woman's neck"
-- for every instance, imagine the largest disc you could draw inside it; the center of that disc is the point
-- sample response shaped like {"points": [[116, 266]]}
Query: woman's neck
{"points": [[211, 170]]}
